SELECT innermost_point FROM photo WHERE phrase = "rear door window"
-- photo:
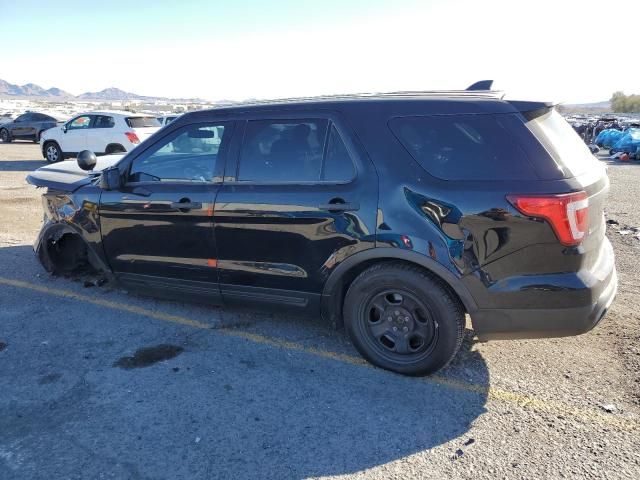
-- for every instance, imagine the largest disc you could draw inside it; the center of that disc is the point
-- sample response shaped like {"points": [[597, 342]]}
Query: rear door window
{"points": [[338, 165], [464, 147], [103, 121], [294, 151], [142, 122], [283, 151]]}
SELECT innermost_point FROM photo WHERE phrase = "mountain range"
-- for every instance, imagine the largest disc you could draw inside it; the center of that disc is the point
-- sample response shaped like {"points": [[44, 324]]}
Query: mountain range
{"points": [[33, 91]]}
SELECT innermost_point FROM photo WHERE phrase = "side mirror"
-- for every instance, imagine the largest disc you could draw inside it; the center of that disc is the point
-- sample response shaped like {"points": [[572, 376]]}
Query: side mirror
{"points": [[64, 128], [110, 179], [87, 160]]}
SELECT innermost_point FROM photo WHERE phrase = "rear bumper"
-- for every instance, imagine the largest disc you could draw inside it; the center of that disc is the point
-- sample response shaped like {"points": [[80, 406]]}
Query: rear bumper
{"points": [[512, 323]]}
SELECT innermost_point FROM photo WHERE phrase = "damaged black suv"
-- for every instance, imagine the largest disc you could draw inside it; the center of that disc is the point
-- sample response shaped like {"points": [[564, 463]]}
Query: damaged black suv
{"points": [[391, 214]]}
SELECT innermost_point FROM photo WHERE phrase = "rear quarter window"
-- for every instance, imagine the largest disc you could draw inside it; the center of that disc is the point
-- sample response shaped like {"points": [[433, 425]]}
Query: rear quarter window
{"points": [[142, 122], [565, 146], [464, 147]]}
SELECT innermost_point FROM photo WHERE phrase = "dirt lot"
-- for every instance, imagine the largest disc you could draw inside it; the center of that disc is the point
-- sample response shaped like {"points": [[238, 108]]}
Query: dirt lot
{"points": [[249, 395]]}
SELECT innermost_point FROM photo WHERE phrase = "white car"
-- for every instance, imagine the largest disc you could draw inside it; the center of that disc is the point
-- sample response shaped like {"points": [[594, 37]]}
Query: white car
{"points": [[103, 133], [167, 119]]}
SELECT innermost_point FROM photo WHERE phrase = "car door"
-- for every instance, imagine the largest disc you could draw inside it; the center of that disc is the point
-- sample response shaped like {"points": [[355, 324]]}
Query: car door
{"points": [[299, 198], [20, 126], [74, 137], [41, 123], [30, 126], [100, 133], [157, 229]]}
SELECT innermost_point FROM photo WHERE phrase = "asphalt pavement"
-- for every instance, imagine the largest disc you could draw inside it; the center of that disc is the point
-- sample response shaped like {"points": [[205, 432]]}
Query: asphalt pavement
{"points": [[98, 383]]}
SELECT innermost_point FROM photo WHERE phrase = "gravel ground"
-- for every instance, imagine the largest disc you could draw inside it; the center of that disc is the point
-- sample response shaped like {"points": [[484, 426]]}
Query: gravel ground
{"points": [[255, 395]]}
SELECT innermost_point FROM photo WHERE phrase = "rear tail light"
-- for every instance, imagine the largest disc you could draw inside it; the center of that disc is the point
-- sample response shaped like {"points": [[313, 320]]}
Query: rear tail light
{"points": [[568, 213], [133, 138]]}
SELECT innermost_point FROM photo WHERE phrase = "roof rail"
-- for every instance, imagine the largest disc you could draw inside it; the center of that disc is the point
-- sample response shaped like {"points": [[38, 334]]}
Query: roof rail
{"points": [[360, 96], [481, 85]]}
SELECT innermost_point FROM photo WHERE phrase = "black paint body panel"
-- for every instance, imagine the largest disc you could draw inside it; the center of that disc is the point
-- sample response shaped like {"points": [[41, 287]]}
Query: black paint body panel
{"points": [[274, 244]]}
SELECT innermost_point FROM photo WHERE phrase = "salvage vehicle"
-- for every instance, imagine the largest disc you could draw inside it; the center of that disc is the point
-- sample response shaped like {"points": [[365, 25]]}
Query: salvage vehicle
{"points": [[28, 126], [392, 215], [103, 133]]}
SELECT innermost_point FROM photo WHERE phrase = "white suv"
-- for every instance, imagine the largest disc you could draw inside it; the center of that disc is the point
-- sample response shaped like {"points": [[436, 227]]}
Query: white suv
{"points": [[103, 133]]}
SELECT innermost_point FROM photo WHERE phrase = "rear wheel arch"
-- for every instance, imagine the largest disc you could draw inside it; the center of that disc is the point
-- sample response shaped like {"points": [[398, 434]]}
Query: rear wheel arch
{"points": [[114, 148], [338, 283], [403, 318]]}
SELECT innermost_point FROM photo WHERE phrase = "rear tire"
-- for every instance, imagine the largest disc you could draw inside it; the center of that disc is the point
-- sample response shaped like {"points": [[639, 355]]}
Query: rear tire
{"points": [[4, 136], [114, 148], [52, 152], [37, 137], [402, 318]]}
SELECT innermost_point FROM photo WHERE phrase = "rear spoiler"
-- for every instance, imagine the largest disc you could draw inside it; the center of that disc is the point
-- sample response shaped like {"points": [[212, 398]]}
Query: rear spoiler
{"points": [[531, 110]]}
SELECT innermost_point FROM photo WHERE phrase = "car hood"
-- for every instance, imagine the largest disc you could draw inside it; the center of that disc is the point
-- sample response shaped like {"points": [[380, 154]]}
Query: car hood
{"points": [[68, 176]]}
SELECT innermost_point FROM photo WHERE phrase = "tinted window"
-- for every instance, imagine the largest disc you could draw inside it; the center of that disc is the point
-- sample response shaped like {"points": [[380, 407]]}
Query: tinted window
{"points": [[141, 122], [189, 154], [38, 117], [563, 143], [338, 166], [79, 123], [23, 118], [103, 121], [464, 147], [283, 151]]}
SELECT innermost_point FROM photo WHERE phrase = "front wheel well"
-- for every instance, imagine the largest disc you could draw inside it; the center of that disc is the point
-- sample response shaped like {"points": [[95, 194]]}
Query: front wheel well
{"points": [[65, 253], [49, 142], [333, 301]]}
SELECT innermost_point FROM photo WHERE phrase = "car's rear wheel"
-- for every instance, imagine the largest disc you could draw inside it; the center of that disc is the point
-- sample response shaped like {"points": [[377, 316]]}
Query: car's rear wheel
{"points": [[4, 136], [114, 148], [36, 139], [52, 152], [402, 318]]}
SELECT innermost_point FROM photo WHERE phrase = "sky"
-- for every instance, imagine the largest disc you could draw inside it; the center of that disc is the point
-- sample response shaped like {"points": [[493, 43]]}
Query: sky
{"points": [[561, 50]]}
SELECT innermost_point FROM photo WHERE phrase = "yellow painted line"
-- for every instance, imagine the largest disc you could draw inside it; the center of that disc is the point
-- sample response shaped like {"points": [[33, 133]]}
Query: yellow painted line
{"points": [[524, 401], [104, 303]]}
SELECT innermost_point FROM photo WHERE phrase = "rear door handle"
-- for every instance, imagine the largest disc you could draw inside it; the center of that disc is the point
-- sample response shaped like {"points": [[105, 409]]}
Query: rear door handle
{"points": [[340, 207], [186, 205]]}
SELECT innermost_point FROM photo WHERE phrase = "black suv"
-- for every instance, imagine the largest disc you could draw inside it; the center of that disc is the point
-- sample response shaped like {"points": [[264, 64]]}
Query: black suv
{"points": [[28, 126], [393, 214]]}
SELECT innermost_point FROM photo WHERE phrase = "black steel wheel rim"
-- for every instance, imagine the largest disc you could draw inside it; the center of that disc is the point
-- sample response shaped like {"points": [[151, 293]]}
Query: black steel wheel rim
{"points": [[399, 326]]}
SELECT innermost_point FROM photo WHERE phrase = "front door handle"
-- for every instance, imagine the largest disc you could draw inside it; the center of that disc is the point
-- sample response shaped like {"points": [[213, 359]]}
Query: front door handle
{"points": [[340, 207]]}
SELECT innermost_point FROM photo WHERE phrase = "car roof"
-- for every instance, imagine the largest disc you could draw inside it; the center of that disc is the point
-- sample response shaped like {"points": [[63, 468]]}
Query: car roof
{"points": [[404, 102], [122, 113]]}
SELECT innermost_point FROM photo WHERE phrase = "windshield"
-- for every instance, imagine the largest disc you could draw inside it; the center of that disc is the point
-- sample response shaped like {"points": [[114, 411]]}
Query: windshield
{"points": [[562, 142], [142, 122]]}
